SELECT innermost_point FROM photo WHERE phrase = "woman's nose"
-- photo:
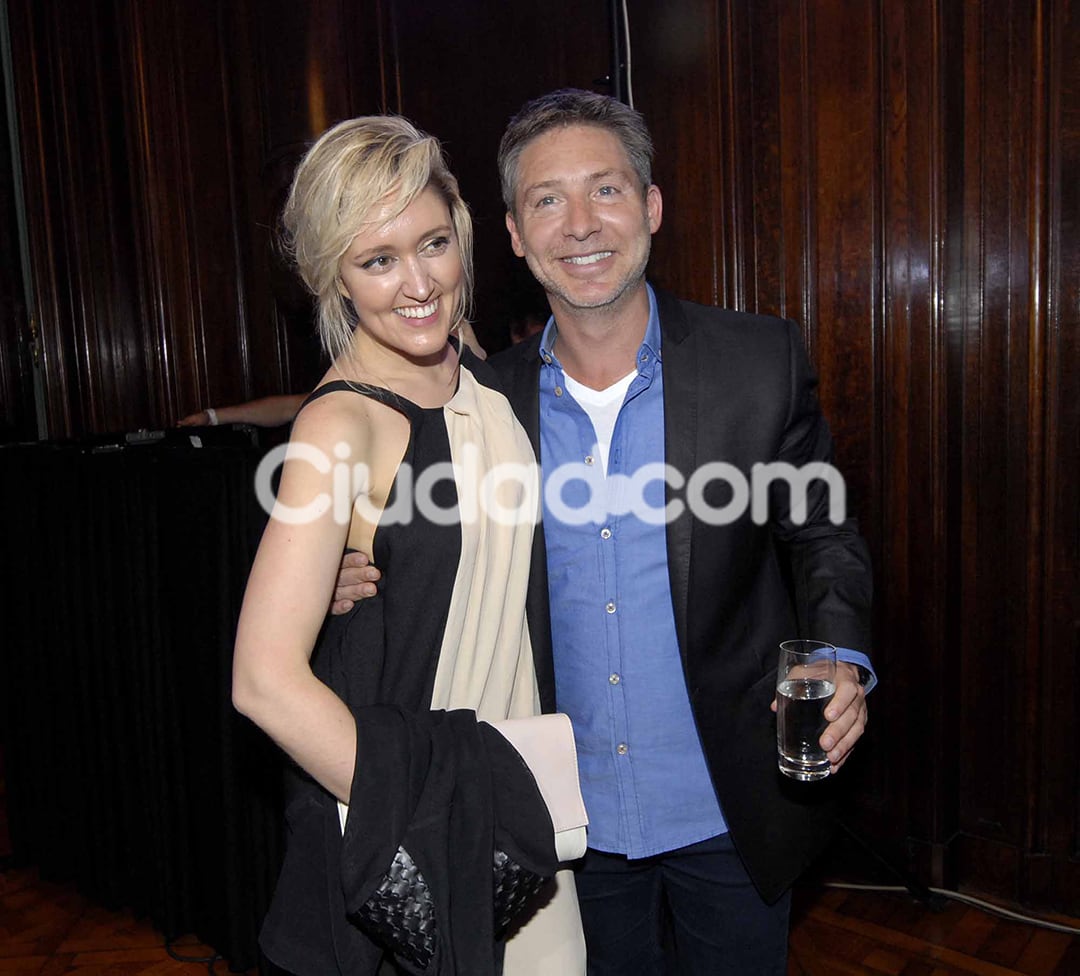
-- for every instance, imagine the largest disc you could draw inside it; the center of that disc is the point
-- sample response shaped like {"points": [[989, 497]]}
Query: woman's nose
{"points": [[417, 279]]}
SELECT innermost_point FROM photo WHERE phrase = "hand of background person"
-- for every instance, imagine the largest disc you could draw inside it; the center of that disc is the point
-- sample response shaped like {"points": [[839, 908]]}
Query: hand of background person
{"points": [[356, 581], [846, 714], [200, 419], [469, 338]]}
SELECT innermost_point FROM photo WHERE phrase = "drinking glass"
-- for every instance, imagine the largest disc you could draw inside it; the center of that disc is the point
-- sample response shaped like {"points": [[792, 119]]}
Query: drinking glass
{"points": [[805, 683]]}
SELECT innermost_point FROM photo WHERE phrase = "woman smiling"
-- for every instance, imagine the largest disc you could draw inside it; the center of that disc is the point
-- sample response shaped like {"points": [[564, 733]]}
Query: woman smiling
{"points": [[383, 240]]}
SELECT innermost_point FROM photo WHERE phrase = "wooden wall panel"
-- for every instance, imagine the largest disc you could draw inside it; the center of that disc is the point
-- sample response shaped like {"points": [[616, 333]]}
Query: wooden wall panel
{"points": [[312, 64], [466, 102], [992, 432], [78, 220], [909, 528], [184, 201], [681, 60], [18, 421], [1053, 849]]}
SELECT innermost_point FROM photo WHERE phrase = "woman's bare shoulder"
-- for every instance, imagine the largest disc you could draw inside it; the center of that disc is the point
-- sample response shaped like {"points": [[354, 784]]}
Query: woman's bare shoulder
{"points": [[347, 415]]}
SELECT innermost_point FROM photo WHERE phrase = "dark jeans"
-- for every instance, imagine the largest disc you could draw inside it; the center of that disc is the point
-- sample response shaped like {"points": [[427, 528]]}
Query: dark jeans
{"points": [[690, 912]]}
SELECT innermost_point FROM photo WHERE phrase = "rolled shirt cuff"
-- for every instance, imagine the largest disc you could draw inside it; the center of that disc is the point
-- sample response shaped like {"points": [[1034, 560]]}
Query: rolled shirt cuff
{"points": [[848, 656]]}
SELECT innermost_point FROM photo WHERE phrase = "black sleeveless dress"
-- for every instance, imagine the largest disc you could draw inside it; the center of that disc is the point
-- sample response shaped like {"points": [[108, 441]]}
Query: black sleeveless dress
{"points": [[446, 630]]}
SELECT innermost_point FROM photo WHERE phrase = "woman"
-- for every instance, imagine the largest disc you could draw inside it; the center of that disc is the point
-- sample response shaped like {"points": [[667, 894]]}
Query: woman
{"points": [[383, 240]]}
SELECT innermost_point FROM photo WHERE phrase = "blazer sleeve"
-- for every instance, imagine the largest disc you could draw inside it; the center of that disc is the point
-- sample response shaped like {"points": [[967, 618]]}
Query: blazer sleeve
{"points": [[828, 560]]}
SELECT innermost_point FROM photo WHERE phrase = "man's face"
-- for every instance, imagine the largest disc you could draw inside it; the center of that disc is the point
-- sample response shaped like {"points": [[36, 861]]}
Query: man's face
{"points": [[581, 222]]}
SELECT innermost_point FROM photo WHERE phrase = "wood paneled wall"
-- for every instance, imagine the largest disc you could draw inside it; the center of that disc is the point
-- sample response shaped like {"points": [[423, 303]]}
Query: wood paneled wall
{"points": [[17, 420], [159, 140], [900, 176]]}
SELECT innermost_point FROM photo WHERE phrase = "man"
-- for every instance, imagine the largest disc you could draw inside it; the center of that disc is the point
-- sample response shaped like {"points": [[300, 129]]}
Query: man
{"points": [[664, 624]]}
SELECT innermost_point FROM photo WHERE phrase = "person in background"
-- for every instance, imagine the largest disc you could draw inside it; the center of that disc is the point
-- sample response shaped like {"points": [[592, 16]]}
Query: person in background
{"points": [[383, 240], [527, 325], [271, 411]]}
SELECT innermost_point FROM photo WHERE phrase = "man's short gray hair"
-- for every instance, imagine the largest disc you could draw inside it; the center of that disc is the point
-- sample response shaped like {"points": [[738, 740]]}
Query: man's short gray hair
{"points": [[567, 107]]}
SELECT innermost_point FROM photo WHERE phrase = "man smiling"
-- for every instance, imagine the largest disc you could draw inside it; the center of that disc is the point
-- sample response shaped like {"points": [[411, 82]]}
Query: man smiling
{"points": [[584, 230], [664, 636]]}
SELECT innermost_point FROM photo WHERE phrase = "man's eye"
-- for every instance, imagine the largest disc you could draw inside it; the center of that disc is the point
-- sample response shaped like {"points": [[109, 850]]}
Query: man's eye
{"points": [[607, 191], [545, 201], [378, 263]]}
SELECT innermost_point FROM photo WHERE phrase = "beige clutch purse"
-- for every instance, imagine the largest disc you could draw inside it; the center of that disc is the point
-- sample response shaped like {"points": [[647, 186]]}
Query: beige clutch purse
{"points": [[546, 743]]}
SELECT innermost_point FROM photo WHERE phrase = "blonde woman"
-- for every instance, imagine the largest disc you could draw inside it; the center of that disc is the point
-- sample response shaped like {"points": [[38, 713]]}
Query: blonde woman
{"points": [[383, 240]]}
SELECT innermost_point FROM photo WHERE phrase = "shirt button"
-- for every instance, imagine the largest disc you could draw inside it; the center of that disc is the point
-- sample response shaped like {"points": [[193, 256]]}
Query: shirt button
{"points": [[605, 533], [610, 608], [589, 459], [644, 357], [614, 678], [622, 748], [558, 391]]}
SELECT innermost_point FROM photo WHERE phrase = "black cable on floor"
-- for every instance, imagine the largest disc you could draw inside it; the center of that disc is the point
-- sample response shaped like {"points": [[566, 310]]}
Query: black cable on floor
{"points": [[207, 960]]}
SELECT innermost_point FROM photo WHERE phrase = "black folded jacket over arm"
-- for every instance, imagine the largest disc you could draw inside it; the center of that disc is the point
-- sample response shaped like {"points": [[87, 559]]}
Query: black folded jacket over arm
{"points": [[447, 792]]}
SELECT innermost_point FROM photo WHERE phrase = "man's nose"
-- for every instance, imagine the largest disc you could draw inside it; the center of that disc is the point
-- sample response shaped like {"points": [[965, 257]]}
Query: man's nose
{"points": [[581, 218]]}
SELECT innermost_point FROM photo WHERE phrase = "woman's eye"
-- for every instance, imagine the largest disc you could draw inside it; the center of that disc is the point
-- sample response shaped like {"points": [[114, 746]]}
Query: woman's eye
{"points": [[378, 263], [437, 246]]}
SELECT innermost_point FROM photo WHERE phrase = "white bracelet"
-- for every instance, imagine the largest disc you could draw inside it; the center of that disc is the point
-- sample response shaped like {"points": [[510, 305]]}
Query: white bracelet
{"points": [[211, 415]]}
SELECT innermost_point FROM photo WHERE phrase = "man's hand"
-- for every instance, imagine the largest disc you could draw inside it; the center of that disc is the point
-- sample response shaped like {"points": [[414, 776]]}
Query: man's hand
{"points": [[846, 715], [356, 581]]}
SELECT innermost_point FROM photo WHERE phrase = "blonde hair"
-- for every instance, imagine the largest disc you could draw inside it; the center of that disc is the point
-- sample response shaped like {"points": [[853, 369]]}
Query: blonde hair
{"points": [[351, 172]]}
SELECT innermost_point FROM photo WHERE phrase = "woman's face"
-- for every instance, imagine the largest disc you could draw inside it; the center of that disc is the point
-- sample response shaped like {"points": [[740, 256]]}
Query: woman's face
{"points": [[404, 278]]}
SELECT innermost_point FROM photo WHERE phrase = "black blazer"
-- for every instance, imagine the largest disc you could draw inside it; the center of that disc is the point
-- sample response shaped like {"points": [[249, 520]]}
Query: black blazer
{"points": [[738, 388]]}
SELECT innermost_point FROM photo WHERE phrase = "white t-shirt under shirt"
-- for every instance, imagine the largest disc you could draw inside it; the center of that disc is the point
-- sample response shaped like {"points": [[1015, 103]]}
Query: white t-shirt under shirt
{"points": [[602, 407]]}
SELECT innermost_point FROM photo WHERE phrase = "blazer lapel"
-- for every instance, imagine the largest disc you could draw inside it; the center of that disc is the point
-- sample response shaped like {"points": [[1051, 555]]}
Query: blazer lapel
{"points": [[521, 381], [681, 414]]}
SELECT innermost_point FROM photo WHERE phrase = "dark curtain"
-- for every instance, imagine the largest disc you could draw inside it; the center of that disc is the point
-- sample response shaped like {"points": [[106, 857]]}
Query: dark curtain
{"points": [[128, 771]]}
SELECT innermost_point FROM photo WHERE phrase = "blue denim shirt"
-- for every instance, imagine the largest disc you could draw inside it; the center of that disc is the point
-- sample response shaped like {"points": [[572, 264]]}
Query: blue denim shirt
{"points": [[618, 673]]}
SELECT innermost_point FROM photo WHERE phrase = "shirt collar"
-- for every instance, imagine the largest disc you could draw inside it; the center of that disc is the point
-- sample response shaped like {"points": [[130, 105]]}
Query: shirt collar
{"points": [[651, 342], [648, 351], [547, 341]]}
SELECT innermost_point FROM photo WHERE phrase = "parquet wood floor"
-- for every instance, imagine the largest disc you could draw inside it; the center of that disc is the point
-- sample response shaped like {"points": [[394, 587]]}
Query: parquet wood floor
{"points": [[836, 932], [51, 930]]}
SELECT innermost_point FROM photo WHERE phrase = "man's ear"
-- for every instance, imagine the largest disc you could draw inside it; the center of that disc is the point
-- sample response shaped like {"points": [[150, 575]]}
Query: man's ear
{"points": [[515, 237], [654, 206]]}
